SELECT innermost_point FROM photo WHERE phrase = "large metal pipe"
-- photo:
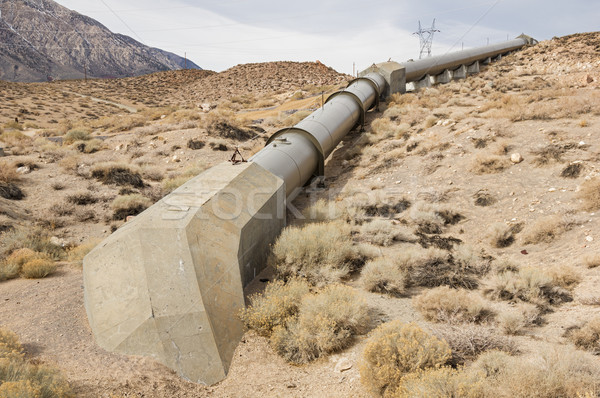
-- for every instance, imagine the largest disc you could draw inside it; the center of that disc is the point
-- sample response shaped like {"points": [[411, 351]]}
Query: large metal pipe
{"points": [[416, 70], [298, 153]]}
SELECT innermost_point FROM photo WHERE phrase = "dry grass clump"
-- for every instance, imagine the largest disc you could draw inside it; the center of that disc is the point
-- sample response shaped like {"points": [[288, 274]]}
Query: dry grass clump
{"points": [[275, 306], [118, 174], [513, 322], [572, 171], [74, 135], [441, 382], [396, 349], [36, 239], [11, 191], [320, 252], [91, 146], [129, 205], [529, 284], [386, 128], [375, 206], [322, 210], [468, 341], [545, 230], [435, 267], [590, 194], [38, 268], [552, 373], [27, 263], [551, 154], [383, 276], [384, 233], [8, 173], [502, 235], [20, 378], [591, 260], [81, 198], [443, 304], [489, 164], [326, 323], [588, 336], [76, 254]]}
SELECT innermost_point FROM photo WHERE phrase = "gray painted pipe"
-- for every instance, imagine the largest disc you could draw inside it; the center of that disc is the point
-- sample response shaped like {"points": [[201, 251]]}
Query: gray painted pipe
{"points": [[416, 70], [298, 153]]}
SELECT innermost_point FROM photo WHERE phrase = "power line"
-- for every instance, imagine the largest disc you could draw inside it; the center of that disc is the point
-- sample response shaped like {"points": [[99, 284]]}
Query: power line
{"points": [[120, 19]]}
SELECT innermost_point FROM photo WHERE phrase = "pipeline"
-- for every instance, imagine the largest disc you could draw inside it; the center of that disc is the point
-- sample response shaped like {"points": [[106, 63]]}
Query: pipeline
{"points": [[170, 283]]}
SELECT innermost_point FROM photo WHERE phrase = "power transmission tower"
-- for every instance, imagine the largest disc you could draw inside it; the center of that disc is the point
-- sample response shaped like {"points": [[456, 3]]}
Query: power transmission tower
{"points": [[426, 38]]}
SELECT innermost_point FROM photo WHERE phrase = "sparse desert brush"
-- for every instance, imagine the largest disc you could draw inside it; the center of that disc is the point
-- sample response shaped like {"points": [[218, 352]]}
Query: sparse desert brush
{"points": [[74, 135], [426, 218], [8, 270], [38, 268], [327, 322], [544, 230], [484, 198], [383, 275], [175, 181], [195, 144], [76, 254], [443, 304], [218, 145], [323, 210], [320, 252], [583, 123], [529, 284], [385, 128], [153, 173], [513, 322], [379, 206], [441, 382], [590, 194], [489, 164], [552, 153], [467, 341], [69, 161], [573, 170], [588, 336], [591, 260], [384, 233], [8, 173], [293, 119], [36, 239], [502, 235], [279, 302], [81, 198], [564, 276], [22, 378], [13, 125], [396, 349], [129, 205], [430, 121], [118, 174], [554, 372], [90, 146], [14, 138]]}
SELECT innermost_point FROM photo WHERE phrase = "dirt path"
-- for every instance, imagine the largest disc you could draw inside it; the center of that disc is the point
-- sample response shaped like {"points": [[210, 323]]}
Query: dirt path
{"points": [[128, 108]]}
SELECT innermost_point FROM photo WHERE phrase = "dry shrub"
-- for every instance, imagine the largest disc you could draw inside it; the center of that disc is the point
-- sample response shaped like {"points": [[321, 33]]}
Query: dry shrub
{"points": [[8, 173], [326, 323], [590, 194], [545, 229], [383, 276], [153, 173], [74, 135], [320, 252], [439, 383], [38, 268], [118, 174], [468, 341], [489, 164], [552, 373], [82, 198], [565, 276], [572, 171], [502, 235], [11, 191], [591, 260], [36, 239], [513, 322], [375, 206], [91, 146], [396, 349], [551, 154], [427, 218], [129, 205], [77, 253], [20, 378], [443, 304], [279, 302], [225, 124], [588, 336], [434, 267], [385, 128], [322, 210], [195, 144], [14, 138], [384, 233], [529, 284]]}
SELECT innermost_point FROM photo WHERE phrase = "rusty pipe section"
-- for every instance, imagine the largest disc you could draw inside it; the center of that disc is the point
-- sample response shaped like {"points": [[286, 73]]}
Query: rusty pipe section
{"points": [[298, 153]]}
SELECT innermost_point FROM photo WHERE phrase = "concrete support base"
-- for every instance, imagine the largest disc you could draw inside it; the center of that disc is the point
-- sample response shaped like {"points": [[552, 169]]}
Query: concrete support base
{"points": [[473, 68], [444, 77], [169, 283], [460, 73], [393, 73]]}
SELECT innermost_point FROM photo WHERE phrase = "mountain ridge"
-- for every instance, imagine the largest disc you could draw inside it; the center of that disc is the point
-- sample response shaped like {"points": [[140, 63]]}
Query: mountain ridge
{"points": [[42, 40]]}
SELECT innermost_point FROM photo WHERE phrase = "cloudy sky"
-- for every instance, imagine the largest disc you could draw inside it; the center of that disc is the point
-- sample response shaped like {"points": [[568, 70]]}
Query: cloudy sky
{"points": [[218, 34]]}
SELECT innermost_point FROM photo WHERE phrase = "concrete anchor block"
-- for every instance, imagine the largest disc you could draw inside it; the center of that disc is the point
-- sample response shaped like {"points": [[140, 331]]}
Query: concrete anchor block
{"points": [[460, 73], [487, 61], [443, 77], [473, 68], [169, 284], [425, 82], [393, 73]]}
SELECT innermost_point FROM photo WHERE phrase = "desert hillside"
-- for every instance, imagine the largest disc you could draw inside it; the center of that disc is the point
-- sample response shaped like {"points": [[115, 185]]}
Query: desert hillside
{"points": [[463, 220]]}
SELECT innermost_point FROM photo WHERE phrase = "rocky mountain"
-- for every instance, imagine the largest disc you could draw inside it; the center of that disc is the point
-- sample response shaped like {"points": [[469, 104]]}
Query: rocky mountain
{"points": [[40, 40]]}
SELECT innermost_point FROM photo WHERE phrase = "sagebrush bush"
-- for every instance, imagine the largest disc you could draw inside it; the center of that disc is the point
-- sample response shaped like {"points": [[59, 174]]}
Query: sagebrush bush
{"points": [[279, 302], [322, 210], [36, 239], [20, 378], [326, 323], [443, 304], [320, 252], [590, 194], [588, 336], [383, 275], [77, 253], [8, 173], [545, 229], [124, 206], [118, 174], [441, 382], [489, 164], [76, 135], [384, 233], [396, 349], [501, 235], [529, 284], [38, 268], [591, 260], [554, 372]]}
